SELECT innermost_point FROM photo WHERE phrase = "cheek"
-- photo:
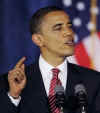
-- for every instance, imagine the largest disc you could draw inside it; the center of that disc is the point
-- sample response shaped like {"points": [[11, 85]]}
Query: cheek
{"points": [[52, 39], [54, 45]]}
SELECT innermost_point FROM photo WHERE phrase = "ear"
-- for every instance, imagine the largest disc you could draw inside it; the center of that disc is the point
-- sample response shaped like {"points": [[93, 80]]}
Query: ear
{"points": [[37, 39]]}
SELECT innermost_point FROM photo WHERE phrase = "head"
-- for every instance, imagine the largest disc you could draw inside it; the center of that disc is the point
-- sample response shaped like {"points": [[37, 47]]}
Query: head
{"points": [[52, 31]]}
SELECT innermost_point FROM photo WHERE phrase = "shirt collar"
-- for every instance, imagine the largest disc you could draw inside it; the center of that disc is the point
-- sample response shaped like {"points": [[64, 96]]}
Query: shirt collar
{"points": [[47, 67]]}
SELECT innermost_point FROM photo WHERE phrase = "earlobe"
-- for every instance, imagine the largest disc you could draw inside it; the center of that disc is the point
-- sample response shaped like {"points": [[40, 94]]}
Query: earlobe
{"points": [[36, 38]]}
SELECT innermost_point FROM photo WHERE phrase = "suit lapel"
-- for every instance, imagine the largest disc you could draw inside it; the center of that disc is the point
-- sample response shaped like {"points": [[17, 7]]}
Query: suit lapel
{"points": [[38, 93], [72, 79]]}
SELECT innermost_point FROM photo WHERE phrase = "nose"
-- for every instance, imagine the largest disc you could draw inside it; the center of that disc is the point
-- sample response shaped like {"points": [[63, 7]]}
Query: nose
{"points": [[68, 31]]}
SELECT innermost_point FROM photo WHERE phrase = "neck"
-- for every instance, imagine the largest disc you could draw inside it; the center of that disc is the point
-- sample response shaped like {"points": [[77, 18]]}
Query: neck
{"points": [[54, 61]]}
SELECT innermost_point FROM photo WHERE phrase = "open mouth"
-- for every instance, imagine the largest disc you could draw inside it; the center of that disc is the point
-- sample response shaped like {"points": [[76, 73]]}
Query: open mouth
{"points": [[70, 43]]}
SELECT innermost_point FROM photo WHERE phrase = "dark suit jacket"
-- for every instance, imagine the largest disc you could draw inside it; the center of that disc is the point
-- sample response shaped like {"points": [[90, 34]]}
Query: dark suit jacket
{"points": [[34, 98]]}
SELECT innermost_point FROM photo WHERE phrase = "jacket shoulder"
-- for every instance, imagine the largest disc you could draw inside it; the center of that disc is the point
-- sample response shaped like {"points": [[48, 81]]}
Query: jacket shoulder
{"points": [[84, 70]]}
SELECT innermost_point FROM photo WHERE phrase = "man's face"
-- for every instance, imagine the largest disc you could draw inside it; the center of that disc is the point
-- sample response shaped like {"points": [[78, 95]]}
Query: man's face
{"points": [[57, 35]]}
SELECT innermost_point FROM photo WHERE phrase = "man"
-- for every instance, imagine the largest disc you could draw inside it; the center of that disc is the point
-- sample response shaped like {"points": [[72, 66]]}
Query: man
{"points": [[32, 89]]}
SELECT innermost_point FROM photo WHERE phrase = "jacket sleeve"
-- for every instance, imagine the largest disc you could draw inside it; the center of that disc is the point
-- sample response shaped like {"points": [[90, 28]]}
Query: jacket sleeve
{"points": [[6, 106]]}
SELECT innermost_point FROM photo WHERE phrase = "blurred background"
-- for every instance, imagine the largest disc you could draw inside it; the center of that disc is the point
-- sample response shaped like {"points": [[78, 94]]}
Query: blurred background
{"points": [[15, 38]]}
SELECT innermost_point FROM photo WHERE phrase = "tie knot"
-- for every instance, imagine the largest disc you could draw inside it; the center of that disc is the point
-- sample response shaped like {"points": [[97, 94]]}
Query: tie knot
{"points": [[55, 71]]}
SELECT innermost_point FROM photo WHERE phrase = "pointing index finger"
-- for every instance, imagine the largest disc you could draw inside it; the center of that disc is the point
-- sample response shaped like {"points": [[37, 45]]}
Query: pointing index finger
{"points": [[21, 62]]}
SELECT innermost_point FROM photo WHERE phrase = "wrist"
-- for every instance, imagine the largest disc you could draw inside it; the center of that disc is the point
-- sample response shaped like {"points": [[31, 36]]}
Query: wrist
{"points": [[13, 100], [14, 96]]}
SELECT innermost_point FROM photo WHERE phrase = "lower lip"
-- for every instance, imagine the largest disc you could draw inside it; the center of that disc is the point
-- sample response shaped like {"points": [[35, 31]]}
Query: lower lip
{"points": [[71, 44]]}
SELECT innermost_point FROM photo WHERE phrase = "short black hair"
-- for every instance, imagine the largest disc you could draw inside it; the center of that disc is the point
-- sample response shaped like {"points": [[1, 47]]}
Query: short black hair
{"points": [[37, 17]]}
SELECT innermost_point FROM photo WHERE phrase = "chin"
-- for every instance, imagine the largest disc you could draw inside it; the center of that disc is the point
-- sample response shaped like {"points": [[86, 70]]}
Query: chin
{"points": [[69, 53]]}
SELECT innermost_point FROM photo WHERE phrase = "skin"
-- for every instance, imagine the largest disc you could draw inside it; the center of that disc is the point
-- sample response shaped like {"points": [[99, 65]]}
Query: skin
{"points": [[55, 40], [17, 79]]}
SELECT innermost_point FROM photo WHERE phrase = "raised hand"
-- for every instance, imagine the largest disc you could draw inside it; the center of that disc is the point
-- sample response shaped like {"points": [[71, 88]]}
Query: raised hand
{"points": [[17, 79]]}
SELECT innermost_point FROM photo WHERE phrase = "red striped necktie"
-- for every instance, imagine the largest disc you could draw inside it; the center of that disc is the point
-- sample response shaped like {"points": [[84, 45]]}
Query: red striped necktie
{"points": [[52, 99]]}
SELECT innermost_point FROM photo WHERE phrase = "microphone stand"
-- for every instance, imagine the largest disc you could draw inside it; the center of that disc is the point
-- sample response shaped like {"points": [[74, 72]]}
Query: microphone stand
{"points": [[83, 109], [60, 97], [61, 110]]}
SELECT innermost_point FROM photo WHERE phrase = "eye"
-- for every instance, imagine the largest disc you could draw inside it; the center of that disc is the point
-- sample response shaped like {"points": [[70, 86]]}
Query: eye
{"points": [[69, 25], [58, 28]]}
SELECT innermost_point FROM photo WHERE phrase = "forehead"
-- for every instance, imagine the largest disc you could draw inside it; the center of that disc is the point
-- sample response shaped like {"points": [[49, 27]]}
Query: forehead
{"points": [[55, 17]]}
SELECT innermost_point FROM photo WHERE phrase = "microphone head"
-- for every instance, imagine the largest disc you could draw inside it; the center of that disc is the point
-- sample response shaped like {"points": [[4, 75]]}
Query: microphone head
{"points": [[60, 97], [81, 94], [80, 88], [59, 89]]}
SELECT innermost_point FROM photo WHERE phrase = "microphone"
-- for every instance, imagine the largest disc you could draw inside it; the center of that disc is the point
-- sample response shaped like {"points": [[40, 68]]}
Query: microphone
{"points": [[81, 95], [60, 97]]}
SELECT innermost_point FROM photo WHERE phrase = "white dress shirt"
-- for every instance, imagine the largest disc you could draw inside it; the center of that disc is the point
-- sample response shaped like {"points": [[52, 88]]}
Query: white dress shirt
{"points": [[46, 73]]}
